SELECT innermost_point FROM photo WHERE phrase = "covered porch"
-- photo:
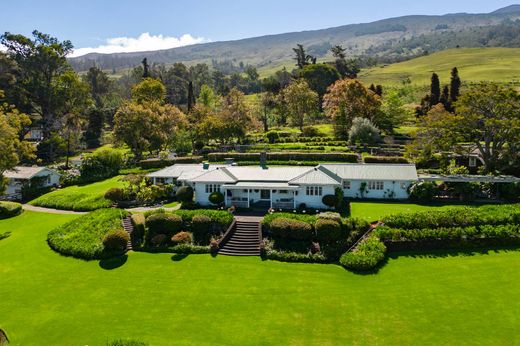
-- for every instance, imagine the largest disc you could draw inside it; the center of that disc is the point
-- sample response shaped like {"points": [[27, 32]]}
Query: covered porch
{"points": [[260, 195]]}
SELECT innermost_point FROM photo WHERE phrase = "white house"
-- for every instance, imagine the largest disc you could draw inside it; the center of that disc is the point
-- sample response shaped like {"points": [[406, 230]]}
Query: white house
{"points": [[19, 176], [288, 187]]}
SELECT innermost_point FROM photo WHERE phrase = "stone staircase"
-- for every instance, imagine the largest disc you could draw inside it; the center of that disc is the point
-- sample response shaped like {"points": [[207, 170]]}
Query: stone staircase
{"points": [[244, 240], [129, 227]]}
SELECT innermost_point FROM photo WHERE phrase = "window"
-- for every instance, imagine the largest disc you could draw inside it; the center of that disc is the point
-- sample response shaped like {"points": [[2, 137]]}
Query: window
{"points": [[346, 184], [376, 185], [403, 186], [283, 191], [314, 191], [472, 161], [159, 180], [210, 188]]}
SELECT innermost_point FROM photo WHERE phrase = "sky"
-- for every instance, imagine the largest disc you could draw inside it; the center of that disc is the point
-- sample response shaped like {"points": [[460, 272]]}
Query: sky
{"points": [[109, 26]]}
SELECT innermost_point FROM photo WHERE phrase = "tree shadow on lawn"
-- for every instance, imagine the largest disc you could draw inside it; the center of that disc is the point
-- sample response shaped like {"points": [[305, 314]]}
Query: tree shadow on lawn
{"points": [[5, 235], [445, 253], [177, 257], [113, 263]]}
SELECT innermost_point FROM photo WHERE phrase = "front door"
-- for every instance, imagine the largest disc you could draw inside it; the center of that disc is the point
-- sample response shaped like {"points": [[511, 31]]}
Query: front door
{"points": [[265, 194]]}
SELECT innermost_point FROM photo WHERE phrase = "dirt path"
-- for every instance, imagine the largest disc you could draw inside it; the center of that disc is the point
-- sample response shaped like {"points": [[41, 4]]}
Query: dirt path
{"points": [[51, 210]]}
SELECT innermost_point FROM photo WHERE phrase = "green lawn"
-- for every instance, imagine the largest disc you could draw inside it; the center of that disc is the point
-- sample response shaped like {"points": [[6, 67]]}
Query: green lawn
{"points": [[49, 299], [474, 64], [82, 197]]}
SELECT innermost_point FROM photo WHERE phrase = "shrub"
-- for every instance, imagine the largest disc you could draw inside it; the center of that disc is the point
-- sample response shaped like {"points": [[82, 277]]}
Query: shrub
{"points": [[182, 238], [184, 194], [190, 249], [160, 163], [329, 231], [363, 131], [384, 159], [283, 256], [286, 157], [202, 228], [290, 229], [272, 136], [329, 216], [125, 342], [116, 241], [138, 221], [366, 256], [330, 200], [221, 219], [163, 223], [423, 191], [114, 194], [216, 198], [82, 237], [102, 164], [10, 209], [310, 131], [158, 240]]}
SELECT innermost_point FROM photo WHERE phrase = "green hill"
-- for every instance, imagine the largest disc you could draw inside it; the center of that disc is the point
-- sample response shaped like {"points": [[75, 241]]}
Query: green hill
{"points": [[474, 64]]}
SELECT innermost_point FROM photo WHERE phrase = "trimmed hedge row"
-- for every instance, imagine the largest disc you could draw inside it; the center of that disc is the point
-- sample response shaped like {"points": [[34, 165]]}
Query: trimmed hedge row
{"points": [[452, 237], [369, 253], [10, 209], [453, 217], [161, 163], [285, 156], [292, 229], [83, 237], [283, 256], [384, 159]]}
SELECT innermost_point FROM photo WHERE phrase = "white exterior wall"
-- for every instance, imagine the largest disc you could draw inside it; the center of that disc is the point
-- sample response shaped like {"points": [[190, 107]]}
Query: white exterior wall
{"points": [[313, 201], [201, 197], [14, 186], [388, 187]]}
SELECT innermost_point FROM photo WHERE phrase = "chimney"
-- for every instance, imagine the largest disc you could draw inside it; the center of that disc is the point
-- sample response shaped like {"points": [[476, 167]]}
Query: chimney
{"points": [[205, 165]]}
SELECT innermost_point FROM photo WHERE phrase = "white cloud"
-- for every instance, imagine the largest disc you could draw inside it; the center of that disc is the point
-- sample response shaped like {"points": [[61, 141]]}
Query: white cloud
{"points": [[3, 48], [145, 42]]}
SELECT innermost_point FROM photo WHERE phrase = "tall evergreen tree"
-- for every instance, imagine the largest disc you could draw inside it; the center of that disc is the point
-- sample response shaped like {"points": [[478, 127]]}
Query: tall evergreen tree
{"points": [[454, 85], [445, 98], [191, 97], [146, 68], [435, 90], [379, 90]]}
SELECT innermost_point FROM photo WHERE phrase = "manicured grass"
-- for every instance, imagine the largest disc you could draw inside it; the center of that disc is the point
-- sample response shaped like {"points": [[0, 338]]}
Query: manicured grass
{"points": [[474, 64], [374, 211], [443, 298], [79, 197]]}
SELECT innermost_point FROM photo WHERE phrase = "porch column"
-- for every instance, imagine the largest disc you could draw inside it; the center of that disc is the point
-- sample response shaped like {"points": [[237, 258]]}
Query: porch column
{"points": [[271, 197], [248, 202], [225, 197], [294, 198]]}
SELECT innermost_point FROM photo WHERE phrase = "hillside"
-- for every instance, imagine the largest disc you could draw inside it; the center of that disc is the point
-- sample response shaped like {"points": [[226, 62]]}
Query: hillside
{"points": [[276, 49], [474, 64]]}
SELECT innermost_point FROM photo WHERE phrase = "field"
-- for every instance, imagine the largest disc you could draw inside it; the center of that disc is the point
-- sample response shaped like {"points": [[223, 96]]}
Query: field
{"points": [[443, 298], [474, 64], [79, 197]]}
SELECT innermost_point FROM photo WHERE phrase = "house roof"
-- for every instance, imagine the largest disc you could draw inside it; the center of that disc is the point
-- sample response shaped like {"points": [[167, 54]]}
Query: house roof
{"points": [[376, 171], [182, 171], [219, 175], [20, 172], [258, 185], [316, 176], [270, 174]]}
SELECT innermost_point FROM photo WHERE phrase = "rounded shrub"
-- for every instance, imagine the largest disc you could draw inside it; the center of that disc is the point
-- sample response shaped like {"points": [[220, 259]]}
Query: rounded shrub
{"points": [[116, 240], [114, 194], [272, 136], [202, 228], [330, 216], [158, 240], [310, 131], [182, 238], [291, 229], [163, 223], [138, 221], [184, 194], [330, 200], [423, 191], [216, 198], [9, 209], [366, 256], [329, 231]]}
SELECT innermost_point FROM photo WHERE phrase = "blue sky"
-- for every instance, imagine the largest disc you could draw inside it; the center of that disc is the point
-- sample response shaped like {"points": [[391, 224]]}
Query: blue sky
{"points": [[92, 23]]}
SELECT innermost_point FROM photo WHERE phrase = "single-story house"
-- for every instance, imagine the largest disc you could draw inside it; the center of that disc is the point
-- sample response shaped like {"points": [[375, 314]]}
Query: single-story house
{"points": [[289, 187], [19, 176]]}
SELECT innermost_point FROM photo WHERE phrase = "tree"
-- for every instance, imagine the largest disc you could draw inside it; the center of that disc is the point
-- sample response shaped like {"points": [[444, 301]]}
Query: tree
{"points": [[487, 115], [302, 58], [12, 149], [99, 84], [445, 98], [266, 105], [454, 85], [191, 96], [149, 90], [363, 131], [348, 99], [40, 61], [435, 90], [95, 121], [338, 52], [146, 69], [394, 110], [319, 77], [300, 102], [235, 114]]}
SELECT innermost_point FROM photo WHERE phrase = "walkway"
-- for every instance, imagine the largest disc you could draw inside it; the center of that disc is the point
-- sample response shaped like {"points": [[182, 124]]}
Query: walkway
{"points": [[51, 210], [244, 241]]}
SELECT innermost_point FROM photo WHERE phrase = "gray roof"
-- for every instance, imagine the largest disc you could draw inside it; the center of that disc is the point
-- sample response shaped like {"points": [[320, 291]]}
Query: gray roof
{"points": [[373, 171], [220, 175], [183, 171], [20, 172], [316, 176], [258, 185], [271, 174]]}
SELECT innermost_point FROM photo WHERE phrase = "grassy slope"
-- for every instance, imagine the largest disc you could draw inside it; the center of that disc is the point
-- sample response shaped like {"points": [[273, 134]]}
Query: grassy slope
{"points": [[203, 300], [82, 197], [474, 64]]}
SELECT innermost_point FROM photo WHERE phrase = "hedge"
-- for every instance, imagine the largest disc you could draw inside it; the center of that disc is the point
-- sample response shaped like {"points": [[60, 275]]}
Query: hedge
{"points": [[384, 159], [10, 209], [366, 256], [290, 229], [449, 237], [453, 217], [163, 223], [329, 231], [285, 156], [283, 256], [83, 237], [161, 163]]}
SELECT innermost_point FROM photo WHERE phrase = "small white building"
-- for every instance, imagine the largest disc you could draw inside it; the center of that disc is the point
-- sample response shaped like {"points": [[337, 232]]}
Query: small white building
{"points": [[289, 187], [19, 176]]}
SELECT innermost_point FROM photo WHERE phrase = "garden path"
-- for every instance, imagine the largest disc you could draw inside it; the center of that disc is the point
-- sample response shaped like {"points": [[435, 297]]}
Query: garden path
{"points": [[50, 210]]}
